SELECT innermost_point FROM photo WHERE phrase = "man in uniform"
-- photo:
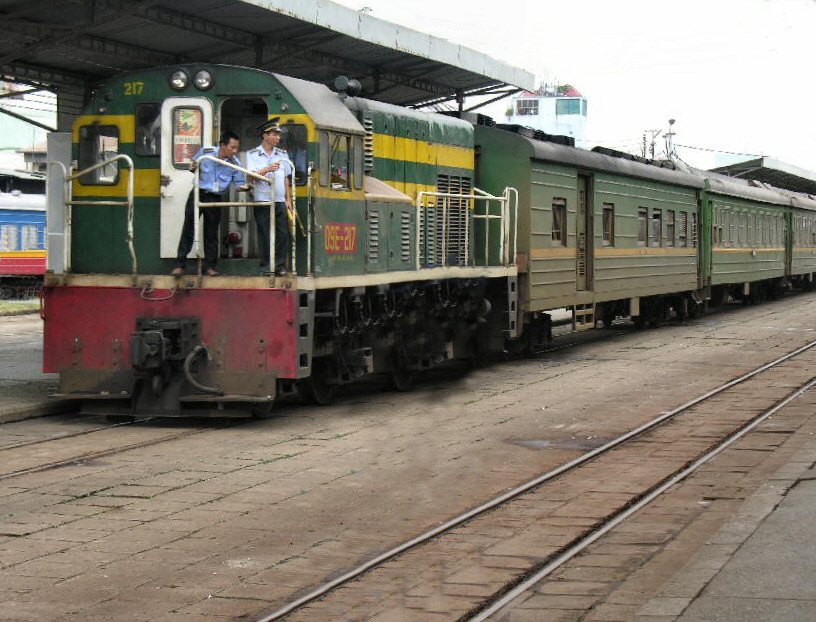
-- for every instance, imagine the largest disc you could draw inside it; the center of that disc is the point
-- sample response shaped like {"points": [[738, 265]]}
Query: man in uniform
{"points": [[213, 186], [273, 163]]}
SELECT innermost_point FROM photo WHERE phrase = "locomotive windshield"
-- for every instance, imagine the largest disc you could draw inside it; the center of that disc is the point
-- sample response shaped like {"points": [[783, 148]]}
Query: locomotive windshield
{"points": [[293, 141], [98, 143]]}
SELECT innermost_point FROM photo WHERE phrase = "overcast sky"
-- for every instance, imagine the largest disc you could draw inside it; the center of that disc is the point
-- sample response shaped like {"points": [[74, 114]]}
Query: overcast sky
{"points": [[737, 75]]}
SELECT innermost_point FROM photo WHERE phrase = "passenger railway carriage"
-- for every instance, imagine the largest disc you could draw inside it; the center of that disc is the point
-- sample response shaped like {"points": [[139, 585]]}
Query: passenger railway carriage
{"points": [[417, 238], [22, 243]]}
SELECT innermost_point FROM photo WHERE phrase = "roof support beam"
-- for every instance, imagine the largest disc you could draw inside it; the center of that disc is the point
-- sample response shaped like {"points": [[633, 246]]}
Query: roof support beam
{"points": [[37, 33], [282, 51], [37, 75], [27, 120], [182, 21]]}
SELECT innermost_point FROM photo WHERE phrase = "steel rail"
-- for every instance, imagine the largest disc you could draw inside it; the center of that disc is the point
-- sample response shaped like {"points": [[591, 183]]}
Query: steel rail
{"points": [[519, 490], [108, 452], [60, 437], [643, 501]]}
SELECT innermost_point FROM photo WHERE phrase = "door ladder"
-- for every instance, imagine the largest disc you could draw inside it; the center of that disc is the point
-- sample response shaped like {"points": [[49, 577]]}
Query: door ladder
{"points": [[583, 317]]}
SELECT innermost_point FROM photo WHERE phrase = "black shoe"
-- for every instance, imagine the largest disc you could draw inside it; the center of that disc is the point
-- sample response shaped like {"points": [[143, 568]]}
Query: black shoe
{"points": [[281, 272]]}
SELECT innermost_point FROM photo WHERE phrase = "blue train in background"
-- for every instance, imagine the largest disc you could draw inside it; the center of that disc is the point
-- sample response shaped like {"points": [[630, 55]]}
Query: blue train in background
{"points": [[22, 235]]}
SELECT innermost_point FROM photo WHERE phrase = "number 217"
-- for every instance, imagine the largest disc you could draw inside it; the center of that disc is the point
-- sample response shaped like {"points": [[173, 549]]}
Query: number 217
{"points": [[134, 88]]}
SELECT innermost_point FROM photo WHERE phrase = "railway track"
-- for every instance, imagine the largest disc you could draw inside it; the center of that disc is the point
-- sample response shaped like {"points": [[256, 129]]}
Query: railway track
{"points": [[673, 447], [26, 461], [59, 437]]}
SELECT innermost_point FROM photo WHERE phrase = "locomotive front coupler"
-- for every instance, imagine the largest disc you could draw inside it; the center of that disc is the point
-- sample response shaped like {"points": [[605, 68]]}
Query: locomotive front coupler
{"points": [[158, 349]]}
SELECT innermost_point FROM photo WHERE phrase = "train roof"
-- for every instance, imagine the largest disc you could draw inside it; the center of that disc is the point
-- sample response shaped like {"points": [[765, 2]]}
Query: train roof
{"points": [[442, 128], [681, 174], [773, 172], [323, 105], [16, 200], [594, 161]]}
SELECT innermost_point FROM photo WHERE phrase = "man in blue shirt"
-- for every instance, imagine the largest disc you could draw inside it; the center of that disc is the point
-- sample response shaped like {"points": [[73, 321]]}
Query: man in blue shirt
{"points": [[213, 186], [273, 163]]}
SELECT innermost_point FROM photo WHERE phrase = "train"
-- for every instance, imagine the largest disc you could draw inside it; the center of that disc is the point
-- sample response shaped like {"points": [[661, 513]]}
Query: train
{"points": [[22, 243], [417, 238]]}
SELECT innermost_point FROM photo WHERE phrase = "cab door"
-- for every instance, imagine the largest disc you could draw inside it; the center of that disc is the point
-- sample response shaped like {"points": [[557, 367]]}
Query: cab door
{"points": [[187, 125]]}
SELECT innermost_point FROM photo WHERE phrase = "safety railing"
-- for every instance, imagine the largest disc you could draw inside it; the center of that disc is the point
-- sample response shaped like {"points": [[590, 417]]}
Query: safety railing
{"points": [[69, 202], [291, 214], [433, 234]]}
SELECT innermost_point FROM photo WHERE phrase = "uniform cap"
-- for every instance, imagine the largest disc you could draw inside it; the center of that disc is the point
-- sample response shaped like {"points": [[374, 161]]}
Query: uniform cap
{"points": [[273, 125]]}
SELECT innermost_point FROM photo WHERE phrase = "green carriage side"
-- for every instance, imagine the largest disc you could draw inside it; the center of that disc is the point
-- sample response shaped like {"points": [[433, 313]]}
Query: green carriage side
{"points": [[749, 238], [802, 242], [594, 230]]}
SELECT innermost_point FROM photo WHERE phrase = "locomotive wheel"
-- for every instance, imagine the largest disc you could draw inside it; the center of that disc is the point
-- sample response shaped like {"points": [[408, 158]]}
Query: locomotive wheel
{"points": [[401, 380], [262, 410], [607, 317], [316, 389]]}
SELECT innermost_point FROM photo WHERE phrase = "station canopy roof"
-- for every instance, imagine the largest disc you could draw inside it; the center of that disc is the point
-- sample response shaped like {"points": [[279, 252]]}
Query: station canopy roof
{"points": [[68, 43], [774, 173]]}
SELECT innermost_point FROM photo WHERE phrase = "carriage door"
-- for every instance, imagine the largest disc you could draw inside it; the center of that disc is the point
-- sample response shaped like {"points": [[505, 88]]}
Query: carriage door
{"points": [[186, 126], [583, 236]]}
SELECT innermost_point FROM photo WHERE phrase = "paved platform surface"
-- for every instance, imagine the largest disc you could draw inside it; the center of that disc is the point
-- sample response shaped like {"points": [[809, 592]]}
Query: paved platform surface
{"points": [[24, 388], [772, 574], [225, 524]]}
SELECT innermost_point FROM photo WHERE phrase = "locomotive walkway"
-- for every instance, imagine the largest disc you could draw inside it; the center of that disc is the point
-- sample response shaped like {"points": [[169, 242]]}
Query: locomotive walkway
{"points": [[201, 521]]}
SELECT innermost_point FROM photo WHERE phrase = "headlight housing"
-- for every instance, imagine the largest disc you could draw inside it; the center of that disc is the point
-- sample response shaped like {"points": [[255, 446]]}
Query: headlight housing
{"points": [[179, 80], [203, 80]]}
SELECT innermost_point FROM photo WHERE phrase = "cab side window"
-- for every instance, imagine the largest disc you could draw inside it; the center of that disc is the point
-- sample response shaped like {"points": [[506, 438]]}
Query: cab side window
{"points": [[335, 160], [148, 129], [98, 143]]}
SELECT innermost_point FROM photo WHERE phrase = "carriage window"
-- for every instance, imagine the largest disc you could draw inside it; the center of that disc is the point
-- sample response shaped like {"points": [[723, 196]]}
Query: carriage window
{"points": [[694, 230], [657, 228], [188, 133], [148, 129], [8, 238], [98, 143], [30, 238], [670, 227], [559, 222], [643, 226], [294, 142], [730, 220], [608, 224], [682, 229]]}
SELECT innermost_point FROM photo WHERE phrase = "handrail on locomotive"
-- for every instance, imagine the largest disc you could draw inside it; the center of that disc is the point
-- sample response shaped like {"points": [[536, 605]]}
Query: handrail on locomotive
{"points": [[508, 202], [68, 201], [292, 215], [505, 223]]}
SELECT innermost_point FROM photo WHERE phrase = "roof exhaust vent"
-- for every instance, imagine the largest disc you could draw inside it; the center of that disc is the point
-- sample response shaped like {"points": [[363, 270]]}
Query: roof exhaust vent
{"points": [[347, 87]]}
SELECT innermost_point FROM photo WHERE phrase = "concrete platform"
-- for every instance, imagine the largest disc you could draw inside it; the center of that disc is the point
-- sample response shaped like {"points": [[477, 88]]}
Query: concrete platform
{"points": [[233, 521], [24, 388], [770, 576]]}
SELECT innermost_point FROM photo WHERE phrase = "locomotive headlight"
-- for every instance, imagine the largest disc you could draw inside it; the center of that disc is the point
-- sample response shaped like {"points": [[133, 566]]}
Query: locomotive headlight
{"points": [[179, 80], [203, 80]]}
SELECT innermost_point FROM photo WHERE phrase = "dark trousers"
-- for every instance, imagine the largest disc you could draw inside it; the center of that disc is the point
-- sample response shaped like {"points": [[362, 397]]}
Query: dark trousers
{"points": [[212, 218], [281, 234]]}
